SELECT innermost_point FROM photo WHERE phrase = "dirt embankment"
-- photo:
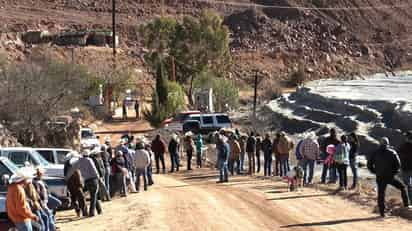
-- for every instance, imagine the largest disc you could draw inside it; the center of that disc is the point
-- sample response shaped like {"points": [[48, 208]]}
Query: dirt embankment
{"points": [[338, 39]]}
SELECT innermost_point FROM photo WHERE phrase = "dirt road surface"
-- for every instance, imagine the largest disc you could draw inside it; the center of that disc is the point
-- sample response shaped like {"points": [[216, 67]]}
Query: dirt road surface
{"points": [[193, 201]]}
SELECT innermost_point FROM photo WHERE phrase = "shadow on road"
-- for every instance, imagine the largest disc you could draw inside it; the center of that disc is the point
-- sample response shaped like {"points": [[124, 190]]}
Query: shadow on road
{"points": [[298, 196], [334, 222]]}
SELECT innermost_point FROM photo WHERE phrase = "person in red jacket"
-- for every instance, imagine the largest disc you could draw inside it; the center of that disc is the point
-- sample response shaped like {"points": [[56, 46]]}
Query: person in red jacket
{"points": [[17, 207], [159, 149]]}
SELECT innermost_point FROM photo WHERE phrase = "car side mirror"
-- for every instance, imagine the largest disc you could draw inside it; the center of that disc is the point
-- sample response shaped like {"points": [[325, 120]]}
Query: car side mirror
{"points": [[5, 180]]}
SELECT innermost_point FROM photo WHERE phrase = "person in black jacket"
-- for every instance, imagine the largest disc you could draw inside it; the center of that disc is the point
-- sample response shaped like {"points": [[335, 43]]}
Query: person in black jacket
{"points": [[385, 164], [354, 148], [250, 150], [96, 156], [405, 154], [258, 151], [267, 155], [174, 153]]}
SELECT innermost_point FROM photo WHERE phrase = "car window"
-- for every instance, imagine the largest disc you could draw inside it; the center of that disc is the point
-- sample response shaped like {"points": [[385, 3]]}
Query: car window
{"points": [[223, 119], [48, 155], [195, 118], [60, 156], [19, 158], [38, 159], [207, 120], [189, 126]]}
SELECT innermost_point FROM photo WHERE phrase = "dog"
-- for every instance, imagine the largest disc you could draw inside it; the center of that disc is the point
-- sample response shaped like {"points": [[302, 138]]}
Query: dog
{"points": [[294, 178]]}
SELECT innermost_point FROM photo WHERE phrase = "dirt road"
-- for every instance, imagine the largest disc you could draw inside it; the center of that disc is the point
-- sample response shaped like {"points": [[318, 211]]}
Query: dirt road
{"points": [[193, 201]]}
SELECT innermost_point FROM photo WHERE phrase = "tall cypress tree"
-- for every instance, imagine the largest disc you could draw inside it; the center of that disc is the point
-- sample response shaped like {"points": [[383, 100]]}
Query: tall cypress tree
{"points": [[161, 82]]}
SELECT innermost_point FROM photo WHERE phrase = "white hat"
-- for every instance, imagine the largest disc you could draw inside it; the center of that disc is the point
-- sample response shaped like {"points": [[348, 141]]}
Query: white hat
{"points": [[189, 133], [25, 173], [71, 155], [174, 136]]}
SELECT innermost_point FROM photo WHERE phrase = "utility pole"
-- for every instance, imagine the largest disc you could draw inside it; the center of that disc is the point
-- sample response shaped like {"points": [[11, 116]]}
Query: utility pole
{"points": [[114, 28], [255, 99]]}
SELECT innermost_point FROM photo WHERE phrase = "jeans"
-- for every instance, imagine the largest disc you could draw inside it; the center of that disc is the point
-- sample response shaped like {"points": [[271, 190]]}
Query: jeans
{"points": [[160, 157], [139, 173], [284, 164], [407, 179], [223, 171], [150, 174], [354, 168], [24, 226], [189, 154], [258, 161], [242, 161], [382, 183], [103, 191], [107, 174], [251, 160], [41, 222], [174, 159], [277, 165], [305, 163], [343, 175], [92, 186], [199, 158], [132, 181], [231, 166], [332, 173], [268, 164]]}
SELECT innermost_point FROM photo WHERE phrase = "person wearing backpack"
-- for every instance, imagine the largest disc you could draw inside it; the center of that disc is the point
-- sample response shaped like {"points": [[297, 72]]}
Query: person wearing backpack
{"points": [[342, 162], [385, 164]]}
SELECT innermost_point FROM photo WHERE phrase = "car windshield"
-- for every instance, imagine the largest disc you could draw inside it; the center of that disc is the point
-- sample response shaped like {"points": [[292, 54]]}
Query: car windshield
{"points": [[39, 159], [87, 134], [10, 165]]}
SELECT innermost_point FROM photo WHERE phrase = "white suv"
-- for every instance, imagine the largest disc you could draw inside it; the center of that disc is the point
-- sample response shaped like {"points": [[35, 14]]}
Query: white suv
{"points": [[88, 139]]}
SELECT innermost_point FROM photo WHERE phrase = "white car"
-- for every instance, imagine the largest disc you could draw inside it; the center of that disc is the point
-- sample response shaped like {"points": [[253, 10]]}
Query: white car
{"points": [[88, 139], [28, 156]]}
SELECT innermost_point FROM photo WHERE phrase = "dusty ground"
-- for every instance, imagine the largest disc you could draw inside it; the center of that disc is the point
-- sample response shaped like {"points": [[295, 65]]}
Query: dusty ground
{"points": [[193, 201]]}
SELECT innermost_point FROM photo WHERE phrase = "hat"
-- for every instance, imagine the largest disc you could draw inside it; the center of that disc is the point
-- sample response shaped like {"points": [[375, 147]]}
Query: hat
{"points": [[331, 149], [188, 134], [25, 173], [384, 141], [174, 136], [71, 155]]}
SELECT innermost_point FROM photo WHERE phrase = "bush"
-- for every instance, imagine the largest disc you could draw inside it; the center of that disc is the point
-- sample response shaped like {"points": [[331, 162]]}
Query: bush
{"points": [[271, 89], [298, 77]]}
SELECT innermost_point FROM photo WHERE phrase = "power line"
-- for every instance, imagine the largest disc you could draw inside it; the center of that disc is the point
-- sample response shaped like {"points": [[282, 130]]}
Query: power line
{"points": [[362, 8]]}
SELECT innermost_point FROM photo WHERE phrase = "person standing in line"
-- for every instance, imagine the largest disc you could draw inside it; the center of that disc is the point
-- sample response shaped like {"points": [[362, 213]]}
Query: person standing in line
{"points": [[43, 193], [159, 149], [276, 152], [142, 161], [385, 164], [354, 148], [124, 110], [106, 158], [75, 185], [342, 162], [309, 150], [199, 150], [119, 172], [17, 207], [223, 152], [189, 148], [405, 155], [96, 156], [285, 145], [251, 149], [242, 143], [150, 167], [332, 139], [258, 151], [173, 149], [267, 155], [234, 155], [91, 180], [137, 109]]}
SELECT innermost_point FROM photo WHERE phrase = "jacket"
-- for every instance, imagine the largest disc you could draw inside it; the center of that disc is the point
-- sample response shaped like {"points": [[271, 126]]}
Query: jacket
{"points": [[258, 145], [158, 146], [234, 150], [141, 159], [284, 146], [189, 145], [251, 144], [267, 146], [309, 149], [87, 169], [118, 164], [342, 153], [75, 181], [173, 147], [405, 155], [98, 162], [384, 162], [199, 144], [223, 152], [16, 204], [353, 150]]}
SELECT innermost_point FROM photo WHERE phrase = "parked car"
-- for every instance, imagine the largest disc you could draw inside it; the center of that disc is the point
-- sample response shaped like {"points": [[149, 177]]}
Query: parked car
{"points": [[88, 139], [176, 123], [210, 122], [53, 155]]}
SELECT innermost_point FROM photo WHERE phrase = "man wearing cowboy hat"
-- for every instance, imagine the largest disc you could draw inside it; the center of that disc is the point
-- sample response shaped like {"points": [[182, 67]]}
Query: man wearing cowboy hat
{"points": [[17, 207], [405, 154], [141, 162]]}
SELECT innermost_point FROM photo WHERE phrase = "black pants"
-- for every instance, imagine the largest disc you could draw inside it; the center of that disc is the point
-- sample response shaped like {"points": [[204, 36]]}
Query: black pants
{"points": [[160, 156], [343, 175], [258, 161], [382, 183], [92, 185], [268, 164], [199, 159], [189, 154]]}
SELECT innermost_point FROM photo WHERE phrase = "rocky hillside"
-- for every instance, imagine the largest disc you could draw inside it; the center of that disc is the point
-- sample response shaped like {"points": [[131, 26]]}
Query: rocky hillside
{"points": [[339, 38]]}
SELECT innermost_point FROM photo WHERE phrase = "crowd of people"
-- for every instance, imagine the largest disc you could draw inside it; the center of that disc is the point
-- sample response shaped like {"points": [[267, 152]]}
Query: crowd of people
{"points": [[108, 170]]}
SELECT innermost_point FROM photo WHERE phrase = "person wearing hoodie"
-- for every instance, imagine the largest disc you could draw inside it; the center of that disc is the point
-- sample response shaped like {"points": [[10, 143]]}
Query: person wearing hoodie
{"points": [[405, 155], [199, 147], [159, 149], [17, 206], [385, 164], [173, 149], [141, 162]]}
